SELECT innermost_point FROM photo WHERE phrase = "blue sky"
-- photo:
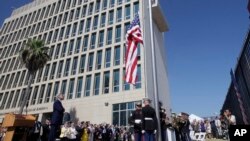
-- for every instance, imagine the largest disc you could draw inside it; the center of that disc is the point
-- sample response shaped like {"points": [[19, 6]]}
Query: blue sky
{"points": [[203, 42]]}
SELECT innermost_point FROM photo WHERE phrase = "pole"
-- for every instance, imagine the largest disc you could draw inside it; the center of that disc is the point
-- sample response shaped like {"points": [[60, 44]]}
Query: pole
{"points": [[156, 98]]}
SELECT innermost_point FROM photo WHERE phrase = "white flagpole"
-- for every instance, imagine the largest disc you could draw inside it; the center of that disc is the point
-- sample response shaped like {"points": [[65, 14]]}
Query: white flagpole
{"points": [[156, 98]]}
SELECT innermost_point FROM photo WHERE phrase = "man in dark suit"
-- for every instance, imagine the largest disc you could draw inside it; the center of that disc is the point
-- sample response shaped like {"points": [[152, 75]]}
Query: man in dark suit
{"points": [[57, 117]]}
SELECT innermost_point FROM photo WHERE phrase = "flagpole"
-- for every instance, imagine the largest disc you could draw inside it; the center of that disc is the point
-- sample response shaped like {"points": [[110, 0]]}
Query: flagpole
{"points": [[156, 98]]}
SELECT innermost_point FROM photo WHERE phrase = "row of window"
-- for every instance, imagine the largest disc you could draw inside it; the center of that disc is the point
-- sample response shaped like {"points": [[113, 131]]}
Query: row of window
{"points": [[72, 88], [80, 26], [54, 8], [74, 45], [61, 68]]}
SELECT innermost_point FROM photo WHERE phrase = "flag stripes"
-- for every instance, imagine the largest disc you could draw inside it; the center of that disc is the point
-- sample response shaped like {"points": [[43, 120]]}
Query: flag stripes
{"points": [[133, 37]]}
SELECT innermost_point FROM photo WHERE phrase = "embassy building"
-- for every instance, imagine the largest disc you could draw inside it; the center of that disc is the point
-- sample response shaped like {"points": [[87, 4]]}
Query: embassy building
{"points": [[87, 49]]}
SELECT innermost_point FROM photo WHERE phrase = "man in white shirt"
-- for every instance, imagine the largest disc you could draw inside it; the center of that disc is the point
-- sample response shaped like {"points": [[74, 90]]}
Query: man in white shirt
{"points": [[229, 117]]}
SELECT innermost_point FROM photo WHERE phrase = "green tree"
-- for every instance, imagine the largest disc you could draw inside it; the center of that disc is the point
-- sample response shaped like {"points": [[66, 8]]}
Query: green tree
{"points": [[34, 56]]}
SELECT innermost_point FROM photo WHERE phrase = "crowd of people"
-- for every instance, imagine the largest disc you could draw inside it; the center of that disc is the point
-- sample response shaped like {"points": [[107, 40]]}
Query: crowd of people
{"points": [[142, 124], [213, 128]]}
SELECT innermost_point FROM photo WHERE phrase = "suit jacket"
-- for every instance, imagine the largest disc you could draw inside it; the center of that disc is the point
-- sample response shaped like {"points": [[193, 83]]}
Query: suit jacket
{"points": [[57, 115]]}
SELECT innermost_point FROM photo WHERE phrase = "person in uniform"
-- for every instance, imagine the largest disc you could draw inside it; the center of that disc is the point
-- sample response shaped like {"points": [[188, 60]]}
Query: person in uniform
{"points": [[135, 120], [149, 121]]}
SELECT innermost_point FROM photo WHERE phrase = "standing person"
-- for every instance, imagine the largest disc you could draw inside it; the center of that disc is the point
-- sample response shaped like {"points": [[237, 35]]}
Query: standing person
{"points": [[218, 126], [229, 117], [149, 121], [79, 130], [45, 130], [135, 120], [57, 117], [163, 118], [184, 127]]}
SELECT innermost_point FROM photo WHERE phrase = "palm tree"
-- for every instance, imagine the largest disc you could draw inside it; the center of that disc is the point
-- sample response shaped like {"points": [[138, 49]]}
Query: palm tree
{"points": [[34, 56]]}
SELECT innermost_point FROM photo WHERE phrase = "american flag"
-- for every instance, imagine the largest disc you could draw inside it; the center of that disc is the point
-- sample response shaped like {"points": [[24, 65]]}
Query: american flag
{"points": [[236, 88], [133, 37]]}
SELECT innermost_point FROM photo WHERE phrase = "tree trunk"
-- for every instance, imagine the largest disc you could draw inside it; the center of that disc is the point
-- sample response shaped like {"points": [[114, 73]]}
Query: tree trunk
{"points": [[26, 96]]}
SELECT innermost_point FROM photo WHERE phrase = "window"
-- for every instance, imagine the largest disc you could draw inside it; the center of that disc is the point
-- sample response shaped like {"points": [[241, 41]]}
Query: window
{"points": [[119, 15], [34, 96], [9, 99], [97, 84], [90, 8], [53, 70], [117, 56], [48, 24], [126, 85], [59, 19], [16, 79], [87, 86], [38, 77], [55, 91], [101, 38], [71, 46], [74, 29], [74, 66], [103, 19], [88, 24], [104, 4], [68, 31], [50, 37], [71, 15], [59, 71], [64, 49], [40, 99], [79, 87], [58, 6], [78, 45], [52, 9], [57, 51], [63, 87], [121, 113], [66, 69], [90, 61], [4, 100], [84, 9], [99, 60], [112, 3], [82, 63], [111, 17], [11, 80], [106, 82], [61, 33], [15, 99], [51, 51], [92, 42], [77, 13], [138, 82], [127, 12], [5, 82], [46, 72], [48, 93], [118, 34], [22, 78], [71, 88], [81, 27], [55, 35], [107, 58], [74, 3], [136, 7], [85, 43], [119, 2], [97, 5], [109, 36], [68, 4], [116, 80], [95, 24]]}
